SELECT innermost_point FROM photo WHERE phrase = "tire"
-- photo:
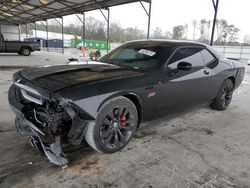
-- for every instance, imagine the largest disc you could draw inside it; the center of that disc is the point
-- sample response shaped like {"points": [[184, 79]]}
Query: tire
{"points": [[26, 51], [224, 97], [19, 53], [114, 127]]}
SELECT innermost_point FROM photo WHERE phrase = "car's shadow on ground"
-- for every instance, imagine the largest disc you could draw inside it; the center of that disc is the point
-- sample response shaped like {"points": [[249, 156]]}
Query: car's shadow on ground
{"points": [[31, 162], [10, 54]]}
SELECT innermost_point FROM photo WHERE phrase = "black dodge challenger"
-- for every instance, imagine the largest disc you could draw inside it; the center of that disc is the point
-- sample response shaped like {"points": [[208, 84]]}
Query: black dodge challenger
{"points": [[105, 102]]}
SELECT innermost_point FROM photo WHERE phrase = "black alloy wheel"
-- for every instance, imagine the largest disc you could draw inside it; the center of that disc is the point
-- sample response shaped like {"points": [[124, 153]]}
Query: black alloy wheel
{"points": [[224, 96], [115, 126]]}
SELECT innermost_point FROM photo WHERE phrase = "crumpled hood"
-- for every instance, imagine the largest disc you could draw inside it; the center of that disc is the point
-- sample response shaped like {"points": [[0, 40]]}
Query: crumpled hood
{"points": [[59, 77]]}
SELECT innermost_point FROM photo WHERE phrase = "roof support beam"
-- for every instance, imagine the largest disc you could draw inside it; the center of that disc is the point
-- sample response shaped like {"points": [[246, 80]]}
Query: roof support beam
{"points": [[35, 30], [19, 33], [216, 6], [82, 20], [47, 32], [26, 30], [148, 12], [62, 29], [107, 18]]}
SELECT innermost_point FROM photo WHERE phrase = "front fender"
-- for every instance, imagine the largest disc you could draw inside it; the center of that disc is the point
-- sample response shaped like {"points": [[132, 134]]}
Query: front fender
{"points": [[92, 105]]}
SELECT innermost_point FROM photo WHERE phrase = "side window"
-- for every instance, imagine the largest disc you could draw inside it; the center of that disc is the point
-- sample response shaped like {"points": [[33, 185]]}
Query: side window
{"points": [[190, 55], [208, 57]]}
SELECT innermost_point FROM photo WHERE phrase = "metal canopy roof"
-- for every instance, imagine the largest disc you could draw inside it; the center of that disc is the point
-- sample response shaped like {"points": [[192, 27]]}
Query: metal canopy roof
{"points": [[27, 11]]}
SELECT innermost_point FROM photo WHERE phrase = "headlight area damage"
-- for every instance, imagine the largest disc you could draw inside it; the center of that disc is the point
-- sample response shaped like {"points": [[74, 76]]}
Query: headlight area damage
{"points": [[48, 123]]}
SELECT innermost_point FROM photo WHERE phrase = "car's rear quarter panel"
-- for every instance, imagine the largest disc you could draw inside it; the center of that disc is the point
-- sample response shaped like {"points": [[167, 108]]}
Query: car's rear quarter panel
{"points": [[225, 70]]}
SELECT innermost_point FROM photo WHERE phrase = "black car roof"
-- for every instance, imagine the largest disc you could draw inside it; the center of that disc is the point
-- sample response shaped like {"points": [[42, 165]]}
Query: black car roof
{"points": [[175, 43]]}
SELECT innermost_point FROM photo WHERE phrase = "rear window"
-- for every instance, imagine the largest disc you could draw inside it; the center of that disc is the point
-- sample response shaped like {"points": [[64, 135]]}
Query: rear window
{"points": [[215, 52], [208, 57]]}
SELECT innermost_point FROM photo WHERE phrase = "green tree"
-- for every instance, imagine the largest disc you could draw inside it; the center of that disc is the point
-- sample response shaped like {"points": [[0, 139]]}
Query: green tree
{"points": [[178, 32], [157, 33], [230, 34], [220, 26], [194, 23]]}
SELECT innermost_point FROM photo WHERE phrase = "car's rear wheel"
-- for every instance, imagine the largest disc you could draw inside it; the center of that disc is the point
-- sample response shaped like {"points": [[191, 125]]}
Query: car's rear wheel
{"points": [[224, 97], [25, 51], [114, 127]]}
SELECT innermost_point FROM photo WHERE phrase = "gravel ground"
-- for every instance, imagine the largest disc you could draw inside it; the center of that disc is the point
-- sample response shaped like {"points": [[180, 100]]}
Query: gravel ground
{"points": [[203, 148]]}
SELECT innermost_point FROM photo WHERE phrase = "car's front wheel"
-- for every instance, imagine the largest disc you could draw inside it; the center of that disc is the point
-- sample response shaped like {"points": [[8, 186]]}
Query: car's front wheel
{"points": [[224, 97], [114, 127]]}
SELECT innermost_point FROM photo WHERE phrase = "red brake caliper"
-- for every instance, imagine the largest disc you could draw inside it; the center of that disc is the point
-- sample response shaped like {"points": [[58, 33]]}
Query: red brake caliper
{"points": [[123, 118]]}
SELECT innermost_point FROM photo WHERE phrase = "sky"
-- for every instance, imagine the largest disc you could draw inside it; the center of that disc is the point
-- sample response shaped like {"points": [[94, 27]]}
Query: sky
{"points": [[168, 13]]}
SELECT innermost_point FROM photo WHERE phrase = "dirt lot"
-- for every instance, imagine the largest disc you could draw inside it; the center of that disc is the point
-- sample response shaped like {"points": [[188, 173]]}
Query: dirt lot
{"points": [[204, 148]]}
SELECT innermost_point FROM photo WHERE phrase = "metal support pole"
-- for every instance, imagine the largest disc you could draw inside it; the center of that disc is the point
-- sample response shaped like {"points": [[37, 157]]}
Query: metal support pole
{"points": [[216, 5], [148, 12], [149, 20], [35, 30], [47, 42], [107, 20], [108, 30], [62, 29], [26, 30], [19, 32], [83, 30], [62, 37]]}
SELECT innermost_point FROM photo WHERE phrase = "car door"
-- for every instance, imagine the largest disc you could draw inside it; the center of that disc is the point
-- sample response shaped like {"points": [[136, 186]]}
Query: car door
{"points": [[183, 89]]}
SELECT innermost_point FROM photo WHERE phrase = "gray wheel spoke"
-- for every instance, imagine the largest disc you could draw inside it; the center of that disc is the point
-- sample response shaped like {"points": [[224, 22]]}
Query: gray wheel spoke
{"points": [[107, 133], [116, 141], [223, 102], [111, 114], [122, 138], [125, 112], [119, 111], [108, 139], [130, 121], [127, 128], [107, 121]]}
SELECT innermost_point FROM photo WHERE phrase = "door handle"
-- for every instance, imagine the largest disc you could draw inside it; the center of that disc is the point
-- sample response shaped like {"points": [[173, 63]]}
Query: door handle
{"points": [[206, 72]]}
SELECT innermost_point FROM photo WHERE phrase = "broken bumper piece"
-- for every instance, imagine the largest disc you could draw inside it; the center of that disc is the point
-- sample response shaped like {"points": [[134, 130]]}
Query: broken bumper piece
{"points": [[53, 151]]}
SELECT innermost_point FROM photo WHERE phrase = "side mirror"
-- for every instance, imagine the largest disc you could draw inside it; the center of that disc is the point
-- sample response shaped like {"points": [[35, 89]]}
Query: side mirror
{"points": [[185, 66]]}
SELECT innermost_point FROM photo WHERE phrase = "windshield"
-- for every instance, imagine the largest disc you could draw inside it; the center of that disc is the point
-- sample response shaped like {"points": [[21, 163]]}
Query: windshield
{"points": [[139, 55]]}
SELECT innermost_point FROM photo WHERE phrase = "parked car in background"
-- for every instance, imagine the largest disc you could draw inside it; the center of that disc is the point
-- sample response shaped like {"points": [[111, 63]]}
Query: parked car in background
{"points": [[105, 103], [21, 47]]}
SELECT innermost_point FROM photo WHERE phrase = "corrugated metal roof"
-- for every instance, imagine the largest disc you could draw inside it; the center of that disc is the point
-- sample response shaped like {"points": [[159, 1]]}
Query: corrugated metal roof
{"points": [[28, 11]]}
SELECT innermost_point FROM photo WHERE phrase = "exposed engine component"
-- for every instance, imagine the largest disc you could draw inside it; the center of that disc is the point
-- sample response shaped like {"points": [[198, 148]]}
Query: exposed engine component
{"points": [[50, 118], [57, 121]]}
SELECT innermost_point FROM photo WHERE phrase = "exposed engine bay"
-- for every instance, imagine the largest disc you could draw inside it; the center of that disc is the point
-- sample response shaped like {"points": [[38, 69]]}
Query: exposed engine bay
{"points": [[48, 124]]}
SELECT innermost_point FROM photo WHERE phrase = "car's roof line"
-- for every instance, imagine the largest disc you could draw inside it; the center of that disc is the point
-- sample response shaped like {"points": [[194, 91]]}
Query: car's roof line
{"points": [[167, 41]]}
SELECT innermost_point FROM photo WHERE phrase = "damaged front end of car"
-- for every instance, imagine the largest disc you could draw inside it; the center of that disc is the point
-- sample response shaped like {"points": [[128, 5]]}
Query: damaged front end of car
{"points": [[48, 122]]}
